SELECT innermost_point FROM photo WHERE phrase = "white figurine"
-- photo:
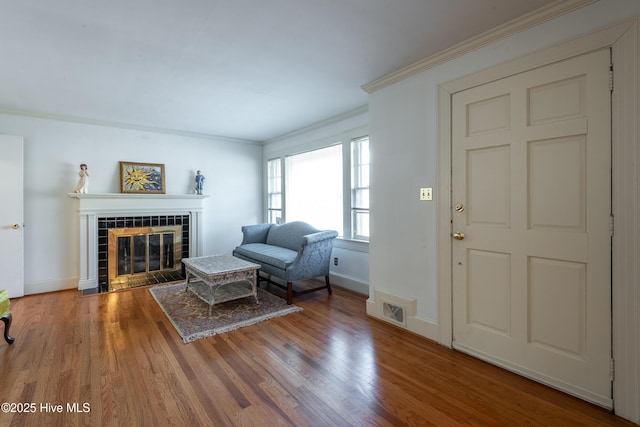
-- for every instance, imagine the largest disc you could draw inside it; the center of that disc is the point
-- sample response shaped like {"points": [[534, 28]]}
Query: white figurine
{"points": [[83, 182]]}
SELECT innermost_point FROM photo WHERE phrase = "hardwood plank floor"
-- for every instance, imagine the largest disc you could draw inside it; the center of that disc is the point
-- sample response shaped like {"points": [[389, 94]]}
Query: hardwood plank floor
{"points": [[118, 358]]}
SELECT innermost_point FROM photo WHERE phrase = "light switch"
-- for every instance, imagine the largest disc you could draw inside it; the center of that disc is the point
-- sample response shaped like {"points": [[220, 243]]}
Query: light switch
{"points": [[426, 193]]}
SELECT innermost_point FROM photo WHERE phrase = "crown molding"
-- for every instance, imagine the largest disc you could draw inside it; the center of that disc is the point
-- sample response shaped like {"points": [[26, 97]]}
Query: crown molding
{"points": [[335, 119], [122, 125], [503, 31]]}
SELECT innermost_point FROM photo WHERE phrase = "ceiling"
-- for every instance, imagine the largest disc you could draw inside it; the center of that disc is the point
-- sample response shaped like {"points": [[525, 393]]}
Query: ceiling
{"points": [[246, 69]]}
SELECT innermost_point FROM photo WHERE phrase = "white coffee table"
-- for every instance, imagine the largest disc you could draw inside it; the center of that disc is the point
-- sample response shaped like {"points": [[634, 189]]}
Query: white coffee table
{"points": [[221, 278]]}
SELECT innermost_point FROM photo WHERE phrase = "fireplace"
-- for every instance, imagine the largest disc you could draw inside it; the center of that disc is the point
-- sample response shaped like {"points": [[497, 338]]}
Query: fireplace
{"points": [[143, 250], [156, 231], [140, 251]]}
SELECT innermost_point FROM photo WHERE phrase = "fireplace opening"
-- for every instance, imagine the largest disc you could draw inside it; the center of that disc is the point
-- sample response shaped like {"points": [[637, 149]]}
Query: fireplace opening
{"points": [[141, 251]]}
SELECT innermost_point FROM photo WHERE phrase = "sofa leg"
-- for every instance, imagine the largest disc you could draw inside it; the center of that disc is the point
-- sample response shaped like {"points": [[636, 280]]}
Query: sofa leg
{"points": [[326, 279], [289, 293], [7, 318]]}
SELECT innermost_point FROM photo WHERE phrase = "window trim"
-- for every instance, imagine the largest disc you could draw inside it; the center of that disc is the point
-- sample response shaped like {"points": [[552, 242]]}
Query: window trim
{"points": [[344, 138], [354, 186], [282, 192]]}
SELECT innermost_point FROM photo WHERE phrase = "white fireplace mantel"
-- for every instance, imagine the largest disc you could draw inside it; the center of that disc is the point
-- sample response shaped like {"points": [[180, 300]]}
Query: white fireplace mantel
{"points": [[90, 207]]}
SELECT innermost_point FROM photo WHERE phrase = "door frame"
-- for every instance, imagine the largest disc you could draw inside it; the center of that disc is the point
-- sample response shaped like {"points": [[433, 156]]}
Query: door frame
{"points": [[14, 214], [622, 38]]}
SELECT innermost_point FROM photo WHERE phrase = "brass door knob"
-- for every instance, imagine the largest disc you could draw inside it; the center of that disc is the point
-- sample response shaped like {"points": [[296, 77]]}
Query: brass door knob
{"points": [[15, 226], [458, 236]]}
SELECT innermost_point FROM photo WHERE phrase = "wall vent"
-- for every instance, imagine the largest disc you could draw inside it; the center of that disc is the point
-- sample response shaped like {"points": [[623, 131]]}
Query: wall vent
{"points": [[394, 313]]}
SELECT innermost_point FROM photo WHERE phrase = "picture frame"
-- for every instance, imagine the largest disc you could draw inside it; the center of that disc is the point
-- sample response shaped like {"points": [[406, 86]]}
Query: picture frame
{"points": [[136, 177]]}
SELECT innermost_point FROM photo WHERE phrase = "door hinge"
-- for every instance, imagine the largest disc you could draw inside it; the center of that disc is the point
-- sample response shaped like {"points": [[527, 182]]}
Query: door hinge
{"points": [[612, 370], [611, 227], [611, 78]]}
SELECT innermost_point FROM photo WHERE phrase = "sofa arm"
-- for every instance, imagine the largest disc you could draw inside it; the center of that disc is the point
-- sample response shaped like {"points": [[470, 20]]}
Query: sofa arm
{"points": [[313, 257], [312, 238], [256, 233]]}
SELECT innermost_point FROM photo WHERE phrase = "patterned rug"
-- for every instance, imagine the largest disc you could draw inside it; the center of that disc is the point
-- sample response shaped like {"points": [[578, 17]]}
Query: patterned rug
{"points": [[189, 314]]}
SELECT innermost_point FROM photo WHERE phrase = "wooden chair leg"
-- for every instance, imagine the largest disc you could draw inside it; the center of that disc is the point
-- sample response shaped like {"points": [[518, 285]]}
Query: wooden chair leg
{"points": [[289, 293], [7, 319], [326, 279]]}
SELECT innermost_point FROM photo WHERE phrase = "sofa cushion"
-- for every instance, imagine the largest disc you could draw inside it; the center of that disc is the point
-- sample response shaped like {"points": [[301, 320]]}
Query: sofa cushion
{"points": [[276, 256], [289, 235]]}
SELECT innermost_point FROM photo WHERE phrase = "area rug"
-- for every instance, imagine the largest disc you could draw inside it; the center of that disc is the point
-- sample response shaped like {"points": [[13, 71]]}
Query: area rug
{"points": [[189, 314]]}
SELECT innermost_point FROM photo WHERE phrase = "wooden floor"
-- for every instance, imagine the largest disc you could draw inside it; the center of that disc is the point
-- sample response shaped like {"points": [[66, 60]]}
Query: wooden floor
{"points": [[118, 358]]}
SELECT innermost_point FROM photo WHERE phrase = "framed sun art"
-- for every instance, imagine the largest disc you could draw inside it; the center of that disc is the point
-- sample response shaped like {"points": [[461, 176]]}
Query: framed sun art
{"points": [[138, 177]]}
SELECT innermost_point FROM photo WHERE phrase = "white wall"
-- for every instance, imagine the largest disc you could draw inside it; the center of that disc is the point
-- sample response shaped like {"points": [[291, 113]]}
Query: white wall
{"points": [[403, 129], [352, 271], [53, 151]]}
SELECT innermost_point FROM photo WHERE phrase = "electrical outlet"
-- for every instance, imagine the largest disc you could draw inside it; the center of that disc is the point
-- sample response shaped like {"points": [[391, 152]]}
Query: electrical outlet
{"points": [[426, 193], [335, 261]]}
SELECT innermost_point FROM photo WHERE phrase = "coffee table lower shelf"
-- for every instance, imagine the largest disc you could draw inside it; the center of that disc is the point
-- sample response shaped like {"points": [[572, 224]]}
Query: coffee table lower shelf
{"points": [[220, 294]]}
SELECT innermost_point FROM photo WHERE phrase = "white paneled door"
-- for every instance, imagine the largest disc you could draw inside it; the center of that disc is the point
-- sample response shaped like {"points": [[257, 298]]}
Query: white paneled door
{"points": [[531, 159], [11, 215]]}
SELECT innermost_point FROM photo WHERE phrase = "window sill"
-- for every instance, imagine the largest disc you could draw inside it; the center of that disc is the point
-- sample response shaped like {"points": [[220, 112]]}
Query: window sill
{"points": [[352, 245]]}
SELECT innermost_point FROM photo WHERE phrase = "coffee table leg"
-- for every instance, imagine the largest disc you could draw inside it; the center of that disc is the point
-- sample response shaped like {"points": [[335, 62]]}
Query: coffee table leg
{"points": [[211, 298], [186, 282], [254, 285]]}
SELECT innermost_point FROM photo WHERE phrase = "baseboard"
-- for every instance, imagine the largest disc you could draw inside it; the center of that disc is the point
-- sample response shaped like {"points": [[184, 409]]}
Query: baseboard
{"points": [[341, 281], [401, 312], [349, 283], [50, 286]]}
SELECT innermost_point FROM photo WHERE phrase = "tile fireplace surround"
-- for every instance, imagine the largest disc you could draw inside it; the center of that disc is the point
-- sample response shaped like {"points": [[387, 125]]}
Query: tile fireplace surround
{"points": [[91, 208]]}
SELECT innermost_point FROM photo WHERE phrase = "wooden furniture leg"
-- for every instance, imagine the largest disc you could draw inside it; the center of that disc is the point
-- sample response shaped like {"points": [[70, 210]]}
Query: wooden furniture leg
{"points": [[289, 293], [7, 319]]}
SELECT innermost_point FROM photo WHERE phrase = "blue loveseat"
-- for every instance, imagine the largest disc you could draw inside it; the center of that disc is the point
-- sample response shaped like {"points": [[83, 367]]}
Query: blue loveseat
{"points": [[290, 252]]}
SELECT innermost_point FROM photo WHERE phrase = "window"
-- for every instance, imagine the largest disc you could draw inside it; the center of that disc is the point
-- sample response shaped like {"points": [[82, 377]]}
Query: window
{"points": [[326, 183], [314, 188], [274, 191], [360, 188]]}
